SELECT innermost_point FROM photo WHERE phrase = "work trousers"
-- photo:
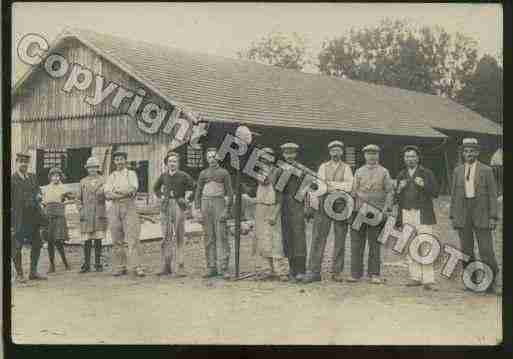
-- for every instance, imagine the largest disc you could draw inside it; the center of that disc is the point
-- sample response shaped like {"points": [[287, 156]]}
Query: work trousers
{"points": [[29, 234], [359, 238], [211, 210], [172, 220], [483, 236], [321, 229], [424, 273], [125, 229]]}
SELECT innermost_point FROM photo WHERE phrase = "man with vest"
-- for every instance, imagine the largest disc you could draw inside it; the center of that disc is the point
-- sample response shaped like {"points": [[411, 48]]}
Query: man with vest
{"points": [[338, 176]]}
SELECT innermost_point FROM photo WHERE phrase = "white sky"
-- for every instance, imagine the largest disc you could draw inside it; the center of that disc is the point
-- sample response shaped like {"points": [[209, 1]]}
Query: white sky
{"points": [[225, 28]]}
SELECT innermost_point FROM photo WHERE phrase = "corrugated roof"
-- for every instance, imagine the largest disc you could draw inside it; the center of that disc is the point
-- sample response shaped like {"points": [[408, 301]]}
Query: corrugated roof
{"points": [[226, 89]]}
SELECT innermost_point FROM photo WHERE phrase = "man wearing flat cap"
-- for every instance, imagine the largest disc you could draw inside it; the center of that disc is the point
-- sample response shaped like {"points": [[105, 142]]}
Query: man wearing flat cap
{"points": [[214, 184], [474, 206], [372, 184], [293, 216], [125, 227], [416, 189], [25, 217], [339, 177]]}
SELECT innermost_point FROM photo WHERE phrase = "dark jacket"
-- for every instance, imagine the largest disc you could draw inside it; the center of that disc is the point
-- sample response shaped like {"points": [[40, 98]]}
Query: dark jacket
{"points": [[417, 197], [485, 193], [25, 207]]}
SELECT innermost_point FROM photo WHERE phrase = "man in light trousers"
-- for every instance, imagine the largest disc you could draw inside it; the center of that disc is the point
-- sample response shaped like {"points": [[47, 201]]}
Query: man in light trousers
{"points": [[125, 227], [214, 184]]}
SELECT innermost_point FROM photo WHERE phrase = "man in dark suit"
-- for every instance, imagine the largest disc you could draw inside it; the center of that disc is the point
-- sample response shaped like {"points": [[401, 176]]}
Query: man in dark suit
{"points": [[25, 217], [474, 206], [416, 188]]}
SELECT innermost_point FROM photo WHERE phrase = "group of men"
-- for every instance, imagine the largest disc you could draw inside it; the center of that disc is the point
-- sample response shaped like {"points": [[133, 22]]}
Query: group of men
{"points": [[473, 212]]}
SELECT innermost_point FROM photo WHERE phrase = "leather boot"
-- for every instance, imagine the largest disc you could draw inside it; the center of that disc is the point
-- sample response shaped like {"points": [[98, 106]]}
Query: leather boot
{"points": [[98, 255], [51, 256], [86, 266], [62, 253]]}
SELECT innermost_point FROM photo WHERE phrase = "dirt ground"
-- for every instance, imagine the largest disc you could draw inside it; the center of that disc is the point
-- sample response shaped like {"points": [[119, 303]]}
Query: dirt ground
{"points": [[96, 308]]}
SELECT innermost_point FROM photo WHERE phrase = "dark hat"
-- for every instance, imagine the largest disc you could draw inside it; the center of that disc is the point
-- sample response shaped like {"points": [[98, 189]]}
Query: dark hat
{"points": [[120, 153], [22, 156], [55, 170], [336, 144], [371, 148], [470, 142], [411, 148]]}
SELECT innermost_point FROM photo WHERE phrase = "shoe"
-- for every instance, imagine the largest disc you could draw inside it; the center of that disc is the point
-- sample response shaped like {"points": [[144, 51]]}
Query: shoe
{"points": [[291, 278], [337, 277], [37, 276], [163, 273], [311, 277], [20, 278], [227, 276], [67, 267], [352, 280], [430, 287], [119, 273], [376, 280], [99, 268], [139, 272], [179, 275], [84, 269], [210, 274], [413, 283], [300, 277]]}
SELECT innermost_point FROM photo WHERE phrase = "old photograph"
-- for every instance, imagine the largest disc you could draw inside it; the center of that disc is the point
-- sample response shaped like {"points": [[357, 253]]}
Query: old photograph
{"points": [[256, 173]]}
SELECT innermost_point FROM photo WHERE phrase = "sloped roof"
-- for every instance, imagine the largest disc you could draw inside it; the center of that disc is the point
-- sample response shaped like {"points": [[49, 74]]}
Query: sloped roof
{"points": [[223, 89]]}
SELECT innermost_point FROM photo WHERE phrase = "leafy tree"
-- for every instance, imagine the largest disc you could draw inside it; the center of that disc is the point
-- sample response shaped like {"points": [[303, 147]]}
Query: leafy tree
{"points": [[398, 54], [278, 49], [483, 91]]}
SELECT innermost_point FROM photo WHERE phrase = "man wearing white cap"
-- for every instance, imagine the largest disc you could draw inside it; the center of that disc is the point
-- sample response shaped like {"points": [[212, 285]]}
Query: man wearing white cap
{"points": [[93, 214], [339, 177], [125, 226], [372, 184], [474, 206]]}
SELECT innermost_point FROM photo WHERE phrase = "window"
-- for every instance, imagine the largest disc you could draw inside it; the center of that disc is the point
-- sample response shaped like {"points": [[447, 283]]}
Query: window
{"points": [[141, 169], [195, 156], [54, 158], [351, 156]]}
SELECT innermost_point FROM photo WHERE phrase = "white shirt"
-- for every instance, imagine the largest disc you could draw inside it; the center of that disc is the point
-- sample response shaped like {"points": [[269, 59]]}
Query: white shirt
{"points": [[411, 171], [470, 191], [122, 181], [347, 174]]}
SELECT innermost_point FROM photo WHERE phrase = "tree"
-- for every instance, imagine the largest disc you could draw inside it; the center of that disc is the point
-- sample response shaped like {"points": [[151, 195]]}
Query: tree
{"points": [[483, 90], [278, 49], [398, 54]]}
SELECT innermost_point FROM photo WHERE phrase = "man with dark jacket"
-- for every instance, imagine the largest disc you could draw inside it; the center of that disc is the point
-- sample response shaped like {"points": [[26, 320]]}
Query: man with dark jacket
{"points": [[416, 188], [474, 206], [25, 217]]}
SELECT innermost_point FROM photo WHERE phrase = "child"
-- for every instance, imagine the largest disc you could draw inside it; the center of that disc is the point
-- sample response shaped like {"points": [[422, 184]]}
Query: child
{"points": [[93, 218], [56, 233]]}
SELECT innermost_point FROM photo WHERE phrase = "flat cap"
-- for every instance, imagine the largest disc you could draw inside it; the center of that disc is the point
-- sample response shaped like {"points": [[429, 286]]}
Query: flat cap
{"points": [[92, 162], [411, 148], [336, 144], [120, 153], [289, 146], [371, 148], [268, 150], [23, 155], [470, 142]]}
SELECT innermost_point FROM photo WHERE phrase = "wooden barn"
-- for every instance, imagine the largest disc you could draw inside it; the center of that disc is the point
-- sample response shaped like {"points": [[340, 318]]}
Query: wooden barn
{"points": [[278, 105]]}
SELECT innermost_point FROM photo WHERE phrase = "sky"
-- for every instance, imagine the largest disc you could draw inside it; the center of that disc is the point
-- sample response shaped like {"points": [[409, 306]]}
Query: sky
{"points": [[225, 28]]}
